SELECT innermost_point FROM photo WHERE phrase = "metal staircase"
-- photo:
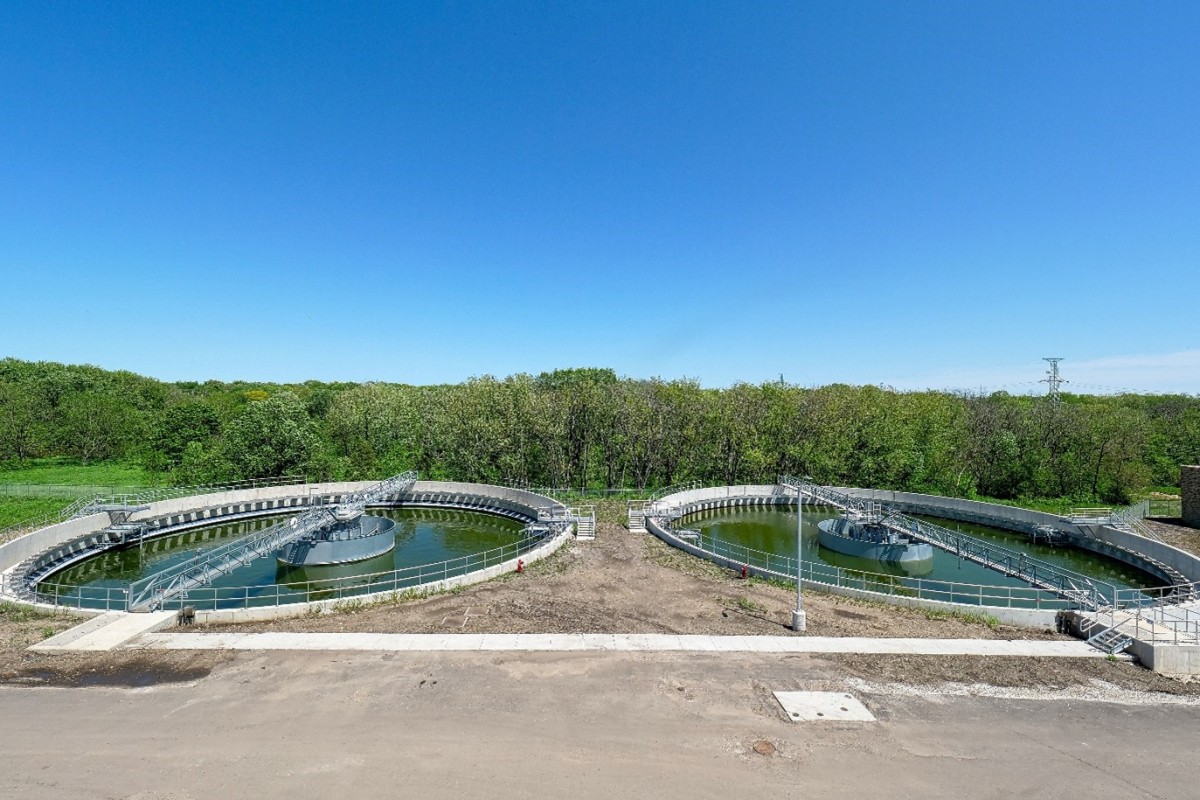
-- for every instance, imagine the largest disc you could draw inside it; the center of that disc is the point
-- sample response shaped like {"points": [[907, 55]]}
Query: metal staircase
{"points": [[584, 518], [1130, 520], [1110, 641], [636, 510], [152, 592]]}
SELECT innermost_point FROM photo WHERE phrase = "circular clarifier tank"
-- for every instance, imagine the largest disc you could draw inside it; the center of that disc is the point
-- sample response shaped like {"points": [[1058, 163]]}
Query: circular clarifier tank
{"points": [[424, 544], [773, 530]]}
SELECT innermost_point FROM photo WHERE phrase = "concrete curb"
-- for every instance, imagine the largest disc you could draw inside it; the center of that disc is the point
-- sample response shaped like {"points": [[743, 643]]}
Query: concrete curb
{"points": [[610, 642]]}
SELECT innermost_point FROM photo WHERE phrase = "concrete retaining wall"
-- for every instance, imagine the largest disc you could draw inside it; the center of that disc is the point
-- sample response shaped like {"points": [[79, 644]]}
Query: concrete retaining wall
{"points": [[1169, 659], [17, 550]]}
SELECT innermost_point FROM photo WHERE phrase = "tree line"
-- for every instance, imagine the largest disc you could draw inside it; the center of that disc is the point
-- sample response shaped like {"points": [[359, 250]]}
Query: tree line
{"points": [[589, 428]]}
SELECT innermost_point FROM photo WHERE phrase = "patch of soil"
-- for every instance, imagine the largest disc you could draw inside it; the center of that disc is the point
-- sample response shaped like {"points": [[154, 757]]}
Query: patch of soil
{"points": [[20, 628], [121, 668], [1176, 534], [625, 582], [1007, 671]]}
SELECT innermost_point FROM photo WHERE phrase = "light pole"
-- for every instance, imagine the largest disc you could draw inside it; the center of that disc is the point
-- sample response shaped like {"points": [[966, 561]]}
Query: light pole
{"points": [[798, 615]]}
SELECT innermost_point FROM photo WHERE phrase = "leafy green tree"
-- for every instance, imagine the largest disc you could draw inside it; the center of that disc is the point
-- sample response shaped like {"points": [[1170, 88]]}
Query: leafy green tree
{"points": [[22, 423], [96, 426], [179, 426], [270, 438]]}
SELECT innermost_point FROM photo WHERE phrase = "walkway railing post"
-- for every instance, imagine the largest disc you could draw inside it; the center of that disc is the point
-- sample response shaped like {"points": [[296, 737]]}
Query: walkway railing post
{"points": [[798, 615]]}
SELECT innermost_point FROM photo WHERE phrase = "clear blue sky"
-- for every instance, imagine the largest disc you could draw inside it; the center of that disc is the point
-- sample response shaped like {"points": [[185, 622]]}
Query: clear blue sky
{"points": [[909, 193]]}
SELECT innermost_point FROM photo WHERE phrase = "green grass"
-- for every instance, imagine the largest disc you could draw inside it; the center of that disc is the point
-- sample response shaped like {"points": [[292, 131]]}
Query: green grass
{"points": [[1049, 505], [969, 617], [72, 473], [20, 509], [750, 606], [15, 612]]}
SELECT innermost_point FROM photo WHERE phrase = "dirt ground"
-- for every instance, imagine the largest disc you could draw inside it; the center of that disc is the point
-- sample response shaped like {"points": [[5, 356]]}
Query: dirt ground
{"points": [[583, 725], [622, 582], [627, 582], [21, 627], [1047, 673]]}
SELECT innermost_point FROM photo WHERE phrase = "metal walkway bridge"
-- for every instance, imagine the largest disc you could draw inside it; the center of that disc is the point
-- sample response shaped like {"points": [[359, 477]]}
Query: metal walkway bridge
{"points": [[1087, 593], [150, 592]]}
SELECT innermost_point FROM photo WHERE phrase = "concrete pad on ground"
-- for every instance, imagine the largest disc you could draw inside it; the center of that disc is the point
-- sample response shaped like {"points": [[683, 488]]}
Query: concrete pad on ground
{"points": [[823, 707], [112, 630], [77, 632]]}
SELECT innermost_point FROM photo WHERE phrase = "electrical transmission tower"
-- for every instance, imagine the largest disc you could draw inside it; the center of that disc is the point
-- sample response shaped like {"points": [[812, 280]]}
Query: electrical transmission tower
{"points": [[1053, 379]]}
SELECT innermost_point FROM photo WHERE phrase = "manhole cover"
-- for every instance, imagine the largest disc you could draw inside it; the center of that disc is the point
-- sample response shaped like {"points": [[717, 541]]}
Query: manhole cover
{"points": [[764, 748]]}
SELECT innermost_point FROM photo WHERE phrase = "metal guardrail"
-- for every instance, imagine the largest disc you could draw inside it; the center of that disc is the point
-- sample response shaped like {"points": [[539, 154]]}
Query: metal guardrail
{"points": [[1162, 615], [1131, 520], [123, 495], [156, 494], [784, 568], [19, 529], [1089, 514], [676, 489], [70, 490], [1080, 588], [1164, 509], [344, 588], [567, 494], [1127, 519], [62, 491], [152, 591]]}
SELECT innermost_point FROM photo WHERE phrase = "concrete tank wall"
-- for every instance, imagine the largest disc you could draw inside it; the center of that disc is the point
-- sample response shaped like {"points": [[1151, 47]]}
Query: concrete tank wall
{"points": [[1026, 521], [1189, 483], [18, 550], [1025, 617], [992, 514]]}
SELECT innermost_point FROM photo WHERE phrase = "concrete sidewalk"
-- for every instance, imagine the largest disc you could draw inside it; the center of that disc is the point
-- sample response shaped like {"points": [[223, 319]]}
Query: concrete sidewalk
{"points": [[536, 642], [104, 632]]}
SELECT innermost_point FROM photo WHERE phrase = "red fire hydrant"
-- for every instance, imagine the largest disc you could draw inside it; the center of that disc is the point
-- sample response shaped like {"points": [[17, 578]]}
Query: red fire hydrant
{"points": [[745, 572], [520, 565]]}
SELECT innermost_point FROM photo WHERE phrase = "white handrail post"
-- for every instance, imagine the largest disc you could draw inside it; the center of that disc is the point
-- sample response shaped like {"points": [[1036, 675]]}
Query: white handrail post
{"points": [[799, 620]]}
